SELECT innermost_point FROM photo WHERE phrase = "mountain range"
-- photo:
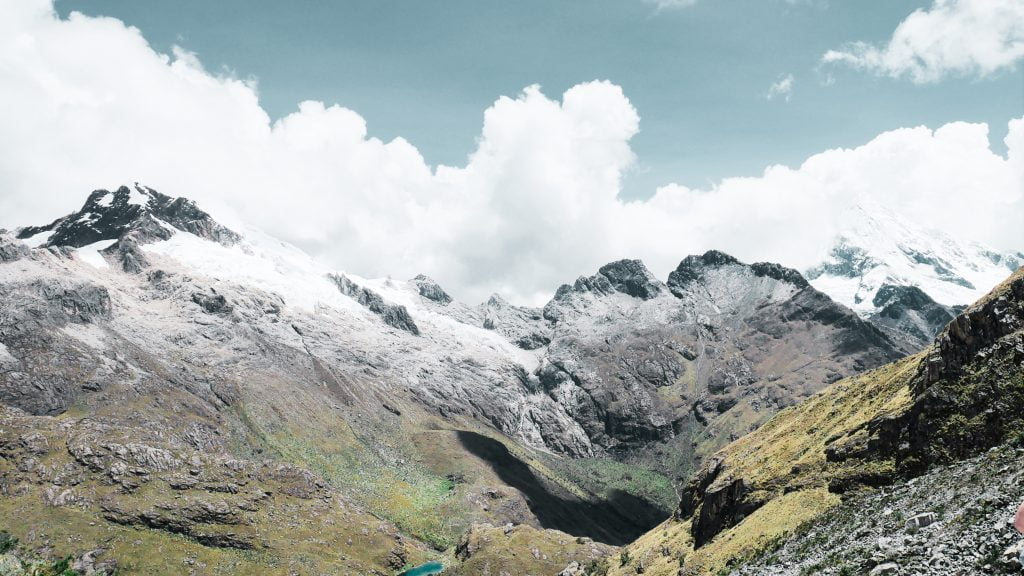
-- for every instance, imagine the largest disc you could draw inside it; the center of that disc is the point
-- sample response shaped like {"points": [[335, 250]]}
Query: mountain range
{"points": [[169, 383]]}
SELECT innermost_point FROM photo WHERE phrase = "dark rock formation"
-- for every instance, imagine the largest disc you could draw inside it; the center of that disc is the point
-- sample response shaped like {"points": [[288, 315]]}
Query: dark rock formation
{"points": [[43, 369], [780, 273], [969, 390], [394, 315], [79, 303], [631, 277], [909, 316], [713, 502], [212, 303], [431, 290], [11, 250], [978, 328], [692, 269], [128, 253]]}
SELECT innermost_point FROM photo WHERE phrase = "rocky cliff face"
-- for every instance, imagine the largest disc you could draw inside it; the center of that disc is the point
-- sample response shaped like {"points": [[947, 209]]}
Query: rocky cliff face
{"points": [[969, 390], [524, 327], [668, 372], [394, 315]]}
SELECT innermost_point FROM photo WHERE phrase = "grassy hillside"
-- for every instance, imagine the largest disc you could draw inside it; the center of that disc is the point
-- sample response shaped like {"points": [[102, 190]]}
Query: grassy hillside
{"points": [[322, 497]]}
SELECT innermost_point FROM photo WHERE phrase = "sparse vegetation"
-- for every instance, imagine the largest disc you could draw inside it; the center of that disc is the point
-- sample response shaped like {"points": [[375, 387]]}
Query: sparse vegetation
{"points": [[7, 542], [605, 477]]}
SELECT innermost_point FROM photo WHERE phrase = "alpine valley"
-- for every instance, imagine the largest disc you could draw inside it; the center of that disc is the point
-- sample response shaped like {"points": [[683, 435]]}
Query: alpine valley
{"points": [[180, 397]]}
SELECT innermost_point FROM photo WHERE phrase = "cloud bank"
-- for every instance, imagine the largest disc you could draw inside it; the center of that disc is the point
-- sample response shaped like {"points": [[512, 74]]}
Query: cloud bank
{"points": [[952, 38], [87, 103]]}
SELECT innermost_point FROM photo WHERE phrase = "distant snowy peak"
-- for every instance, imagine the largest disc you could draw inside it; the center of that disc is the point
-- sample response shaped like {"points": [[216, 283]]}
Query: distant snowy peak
{"points": [[879, 248], [111, 215], [116, 223]]}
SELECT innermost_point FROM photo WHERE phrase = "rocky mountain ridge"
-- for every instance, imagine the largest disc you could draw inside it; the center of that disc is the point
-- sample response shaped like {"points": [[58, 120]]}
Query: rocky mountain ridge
{"points": [[667, 372]]}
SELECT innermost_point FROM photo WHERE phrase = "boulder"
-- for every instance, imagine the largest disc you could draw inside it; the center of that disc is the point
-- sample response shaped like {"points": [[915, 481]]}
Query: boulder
{"points": [[922, 520], [887, 569]]}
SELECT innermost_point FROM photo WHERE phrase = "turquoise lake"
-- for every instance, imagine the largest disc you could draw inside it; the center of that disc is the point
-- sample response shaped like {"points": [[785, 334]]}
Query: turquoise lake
{"points": [[425, 569]]}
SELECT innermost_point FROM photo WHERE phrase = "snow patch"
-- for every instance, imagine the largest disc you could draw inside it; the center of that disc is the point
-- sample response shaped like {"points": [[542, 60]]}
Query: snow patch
{"points": [[90, 253], [266, 263], [37, 240], [88, 334], [105, 200], [138, 196], [5, 355], [166, 226], [433, 324], [260, 261]]}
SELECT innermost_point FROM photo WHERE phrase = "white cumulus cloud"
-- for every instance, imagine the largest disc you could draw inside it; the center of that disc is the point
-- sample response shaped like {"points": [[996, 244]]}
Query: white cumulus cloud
{"points": [[951, 38], [87, 103]]}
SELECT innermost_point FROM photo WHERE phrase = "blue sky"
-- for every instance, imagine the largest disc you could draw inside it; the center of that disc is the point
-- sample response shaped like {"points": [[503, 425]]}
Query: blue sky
{"points": [[392, 138], [698, 75]]}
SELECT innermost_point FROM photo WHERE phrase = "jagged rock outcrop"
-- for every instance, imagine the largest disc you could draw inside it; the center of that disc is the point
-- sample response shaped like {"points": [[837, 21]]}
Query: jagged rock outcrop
{"points": [[431, 290], [968, 392], [11, 249], [109, 215], [909, 316], [978, 331], [394, 315], [212, 303], [633, 278], [692, 268], [715, 501], [45, 368], [131, 217]]}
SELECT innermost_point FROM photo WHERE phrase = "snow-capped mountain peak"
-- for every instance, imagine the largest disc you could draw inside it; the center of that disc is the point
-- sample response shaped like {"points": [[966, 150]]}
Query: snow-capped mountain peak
{"points": [[136, 211], [879, 248]]}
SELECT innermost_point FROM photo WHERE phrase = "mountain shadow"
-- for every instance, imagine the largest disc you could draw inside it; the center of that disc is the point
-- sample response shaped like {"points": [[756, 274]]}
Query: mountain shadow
{"points": [[618, 521]]}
